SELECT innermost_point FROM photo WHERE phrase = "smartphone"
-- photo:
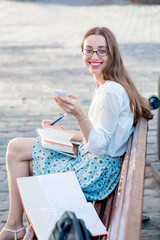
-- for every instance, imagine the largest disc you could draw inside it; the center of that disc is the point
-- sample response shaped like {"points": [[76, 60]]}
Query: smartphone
{"points": [[60, 92]]}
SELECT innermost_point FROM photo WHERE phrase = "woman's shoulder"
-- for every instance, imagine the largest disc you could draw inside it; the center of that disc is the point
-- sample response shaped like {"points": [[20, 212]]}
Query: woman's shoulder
{"points": [[115, 91], [114, 88]]}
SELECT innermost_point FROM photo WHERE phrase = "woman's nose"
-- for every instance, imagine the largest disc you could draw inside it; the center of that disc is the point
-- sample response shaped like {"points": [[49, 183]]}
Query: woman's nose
{"points": [[95, 55]]}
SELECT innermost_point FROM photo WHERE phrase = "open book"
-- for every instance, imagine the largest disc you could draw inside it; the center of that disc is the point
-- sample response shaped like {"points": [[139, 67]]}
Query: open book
{"points": [[56, 140], [46, 197]]}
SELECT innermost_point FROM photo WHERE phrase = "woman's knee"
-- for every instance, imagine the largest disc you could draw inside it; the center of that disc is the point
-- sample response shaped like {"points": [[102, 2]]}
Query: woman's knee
{"points": [[20, 149], [13, 150]]}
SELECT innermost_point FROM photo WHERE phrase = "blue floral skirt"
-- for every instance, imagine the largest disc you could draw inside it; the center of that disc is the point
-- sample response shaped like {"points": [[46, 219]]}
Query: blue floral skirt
{"points": [[98, 175]]}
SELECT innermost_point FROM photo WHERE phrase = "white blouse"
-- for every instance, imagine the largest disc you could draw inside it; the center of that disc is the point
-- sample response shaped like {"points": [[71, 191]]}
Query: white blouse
{"points": [[112, 120]]}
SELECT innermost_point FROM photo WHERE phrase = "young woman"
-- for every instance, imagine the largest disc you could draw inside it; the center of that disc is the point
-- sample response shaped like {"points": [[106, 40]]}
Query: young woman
{"points": [[116, 107]]}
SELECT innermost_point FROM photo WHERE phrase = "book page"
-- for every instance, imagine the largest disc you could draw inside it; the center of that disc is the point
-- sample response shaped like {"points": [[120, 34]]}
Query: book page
{"points": [[46, 197], [89, 215], [57, 145], [40, 191], [44, 219], [51, 134], [65, 186]]}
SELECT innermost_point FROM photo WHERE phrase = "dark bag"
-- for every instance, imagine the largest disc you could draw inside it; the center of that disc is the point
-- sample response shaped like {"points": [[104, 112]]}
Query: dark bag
{"points": [[68, 227]]}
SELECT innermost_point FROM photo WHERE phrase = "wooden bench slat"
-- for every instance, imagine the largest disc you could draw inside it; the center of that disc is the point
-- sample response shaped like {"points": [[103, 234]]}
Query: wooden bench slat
{"points": [[108, 210], [112, 233], [98, 206], [131, 218]]}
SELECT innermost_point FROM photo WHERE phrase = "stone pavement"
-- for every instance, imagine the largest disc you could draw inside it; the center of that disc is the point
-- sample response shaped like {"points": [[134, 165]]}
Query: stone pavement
{"points": [[40, 51]]}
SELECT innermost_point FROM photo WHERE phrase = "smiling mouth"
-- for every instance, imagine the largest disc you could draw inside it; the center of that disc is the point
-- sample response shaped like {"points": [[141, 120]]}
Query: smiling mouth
{"points": [[95, 64]]}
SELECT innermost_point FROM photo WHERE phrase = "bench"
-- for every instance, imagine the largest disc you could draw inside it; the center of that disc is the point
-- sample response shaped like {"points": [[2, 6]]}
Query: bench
{"points": [[121, 212], [147, 1]]}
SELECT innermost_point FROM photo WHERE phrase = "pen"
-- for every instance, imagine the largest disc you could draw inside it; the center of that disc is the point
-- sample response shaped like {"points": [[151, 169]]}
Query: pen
{"points": [[65, 114]]}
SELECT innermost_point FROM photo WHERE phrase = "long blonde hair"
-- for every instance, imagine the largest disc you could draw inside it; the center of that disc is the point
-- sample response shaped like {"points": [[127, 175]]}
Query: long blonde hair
{"points": [[116, 71]]}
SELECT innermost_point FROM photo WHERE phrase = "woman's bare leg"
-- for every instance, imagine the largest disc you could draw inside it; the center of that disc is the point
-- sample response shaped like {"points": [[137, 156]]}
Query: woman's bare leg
{"points": [[19, 164]]}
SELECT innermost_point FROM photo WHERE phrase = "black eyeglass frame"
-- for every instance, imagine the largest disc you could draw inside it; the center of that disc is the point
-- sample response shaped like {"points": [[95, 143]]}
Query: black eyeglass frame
{"points": [[95, 52]]}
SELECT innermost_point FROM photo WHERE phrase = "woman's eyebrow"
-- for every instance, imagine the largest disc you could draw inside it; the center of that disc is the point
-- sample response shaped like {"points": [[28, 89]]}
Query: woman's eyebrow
{"points": [[98, 46], [102, 46]]}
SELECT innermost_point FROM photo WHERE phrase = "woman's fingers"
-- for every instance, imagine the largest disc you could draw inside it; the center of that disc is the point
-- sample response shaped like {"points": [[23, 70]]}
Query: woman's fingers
{"points": [[70, 106], [64, 103], [56, 126], [72, 96], [58, 98], [46, 123], [67, 108]]}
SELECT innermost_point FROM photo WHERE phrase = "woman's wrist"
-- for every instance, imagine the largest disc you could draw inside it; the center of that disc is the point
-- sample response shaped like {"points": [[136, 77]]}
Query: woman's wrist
{"points": [[80, 115], [81, 118]]}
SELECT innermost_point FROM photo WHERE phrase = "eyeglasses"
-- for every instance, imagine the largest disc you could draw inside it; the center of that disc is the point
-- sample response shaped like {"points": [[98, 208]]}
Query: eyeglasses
{"points": [[89, 52]]}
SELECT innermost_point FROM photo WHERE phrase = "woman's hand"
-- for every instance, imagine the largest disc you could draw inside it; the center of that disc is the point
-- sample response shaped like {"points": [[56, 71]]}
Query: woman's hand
{"points": [[71, 106], [46, 124]]}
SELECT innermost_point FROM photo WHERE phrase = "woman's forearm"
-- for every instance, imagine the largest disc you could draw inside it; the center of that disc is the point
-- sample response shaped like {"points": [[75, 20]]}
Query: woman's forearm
{"points": [[85, 126], [78, 136]]}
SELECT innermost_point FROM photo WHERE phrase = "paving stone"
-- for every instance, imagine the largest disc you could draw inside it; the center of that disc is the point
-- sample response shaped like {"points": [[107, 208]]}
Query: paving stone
{"points": [[150, 183], [152, 139], [4, 186], [4, 196], [2, 141], [4, 206], [3, 218], [150, 234], [2, 176], [151, 192], [148, 172], [151, 148], [156, 170], [2, 152], [2, 160]]}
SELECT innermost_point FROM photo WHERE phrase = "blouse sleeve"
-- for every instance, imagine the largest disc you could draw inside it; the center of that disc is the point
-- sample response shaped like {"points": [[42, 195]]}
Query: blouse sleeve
{"points": [[101, 134]]}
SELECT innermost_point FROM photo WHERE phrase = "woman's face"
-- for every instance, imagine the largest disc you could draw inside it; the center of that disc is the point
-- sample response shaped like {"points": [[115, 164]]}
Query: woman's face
{"points": [[95, 63]]}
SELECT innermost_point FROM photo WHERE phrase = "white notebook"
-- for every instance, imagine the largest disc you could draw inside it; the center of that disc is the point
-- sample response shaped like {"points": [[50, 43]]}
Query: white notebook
{"points": [[46, 197], [56, 140]]}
